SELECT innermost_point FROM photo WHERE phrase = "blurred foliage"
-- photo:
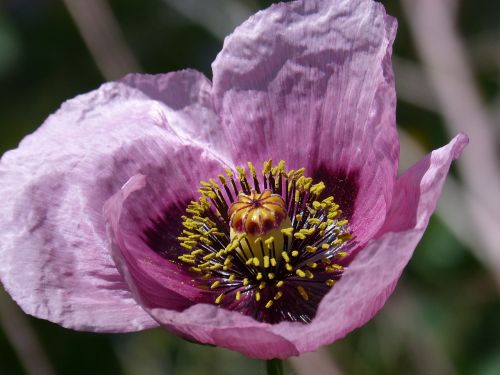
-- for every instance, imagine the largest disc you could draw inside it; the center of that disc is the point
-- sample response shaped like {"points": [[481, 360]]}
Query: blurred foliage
{"points": [[443, 317]]}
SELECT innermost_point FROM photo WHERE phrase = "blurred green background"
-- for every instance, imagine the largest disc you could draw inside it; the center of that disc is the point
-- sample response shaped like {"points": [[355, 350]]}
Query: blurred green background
{"points": [[444, 317]]}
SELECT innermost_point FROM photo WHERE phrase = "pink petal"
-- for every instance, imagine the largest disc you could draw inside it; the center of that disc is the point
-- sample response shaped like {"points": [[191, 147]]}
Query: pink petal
{"points": [[311, 82], [187, 96], [144, 221], [54, 254], [361, 292]]}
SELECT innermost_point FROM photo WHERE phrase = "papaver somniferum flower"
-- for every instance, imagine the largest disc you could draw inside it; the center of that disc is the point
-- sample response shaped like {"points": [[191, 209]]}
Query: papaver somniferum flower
{"points": [[260, 212]]}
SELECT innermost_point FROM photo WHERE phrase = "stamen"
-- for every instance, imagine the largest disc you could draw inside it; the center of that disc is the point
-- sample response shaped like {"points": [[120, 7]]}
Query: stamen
{"points": [[250, 235]]}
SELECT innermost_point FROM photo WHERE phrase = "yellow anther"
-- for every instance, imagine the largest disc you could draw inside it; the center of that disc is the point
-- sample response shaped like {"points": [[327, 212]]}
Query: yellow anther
{"points": [[316, 205], [219, 298], [238, 295], [299, 172], [318, 188], [330, 282], [249, 261], [280, 283], [257, 296], [267, 165], [334, 268], [312, 265], [259, 276], [345, 236], [333, 215], [287, 232], [288, 267], [215, 267], [269, 304], [215, 284], [231, 277], [300, 273], [269, 242], [229, 172], [262, 285], [295, 253], [222, 179], [281, 166], [285, 256], [341, 254], [214, 184], [189, 261], [299, 236], [184, 245], [273, 262], [307, 183], [266, 261], [298, 217], [205, 240], [303, 292], [311, 249], [245, 281], [314, 221], [309, 274], [197, 252], [307, 231], [337, 242], [251, 169], [256, 262], [297, 196], [325, 246], [242, 173], [208, 193], [342, 222], [270, 275]]}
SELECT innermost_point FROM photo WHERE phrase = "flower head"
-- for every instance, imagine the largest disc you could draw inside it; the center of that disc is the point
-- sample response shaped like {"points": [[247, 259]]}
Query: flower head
{"points": [[261, 212], [270, 253]]}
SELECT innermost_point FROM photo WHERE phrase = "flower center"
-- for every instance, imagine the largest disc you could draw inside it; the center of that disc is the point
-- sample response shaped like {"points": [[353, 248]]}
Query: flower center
{"points": [[261, 219], [271, 253]]}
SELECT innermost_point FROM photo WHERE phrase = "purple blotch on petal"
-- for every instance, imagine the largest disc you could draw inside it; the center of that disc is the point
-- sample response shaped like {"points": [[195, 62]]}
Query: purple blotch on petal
{"points": [[162, 231], [342, 185]]}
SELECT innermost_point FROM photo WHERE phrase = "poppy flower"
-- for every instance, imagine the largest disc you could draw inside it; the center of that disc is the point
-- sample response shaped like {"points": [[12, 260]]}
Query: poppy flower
{"points": [[260, 212]]}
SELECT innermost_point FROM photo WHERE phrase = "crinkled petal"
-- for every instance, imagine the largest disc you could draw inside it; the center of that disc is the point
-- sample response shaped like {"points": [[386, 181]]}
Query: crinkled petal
{"points": [[54, 254], [144, 221], [187, 97], [359, 294], [311, 82]]}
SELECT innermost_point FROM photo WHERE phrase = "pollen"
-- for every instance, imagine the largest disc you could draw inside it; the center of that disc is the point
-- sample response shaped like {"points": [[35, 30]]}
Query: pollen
{"points": [[266, 243]]}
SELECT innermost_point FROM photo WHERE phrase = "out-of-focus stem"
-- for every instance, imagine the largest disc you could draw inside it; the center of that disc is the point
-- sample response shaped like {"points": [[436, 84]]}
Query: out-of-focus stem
{"points": [[103, 37], [445, 62], [274, 367], [219, 17], [22, 337], [317, 363]]}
